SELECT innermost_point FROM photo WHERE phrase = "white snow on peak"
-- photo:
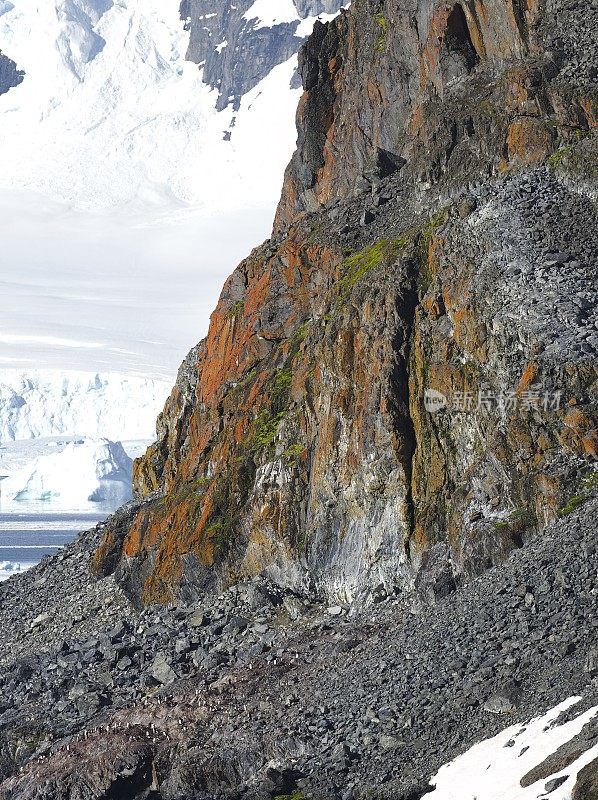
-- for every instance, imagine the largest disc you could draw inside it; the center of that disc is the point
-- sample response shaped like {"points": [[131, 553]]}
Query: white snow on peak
{"points": [[493, 769], [110, 112], [37, 404], [124, 203], [81, 474], [268, 13], [106, 96]]}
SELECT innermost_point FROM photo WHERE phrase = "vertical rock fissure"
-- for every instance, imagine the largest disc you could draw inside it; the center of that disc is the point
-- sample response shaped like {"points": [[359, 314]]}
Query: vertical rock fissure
{"points": [[459, 54], [520, 20], [405, 426]]}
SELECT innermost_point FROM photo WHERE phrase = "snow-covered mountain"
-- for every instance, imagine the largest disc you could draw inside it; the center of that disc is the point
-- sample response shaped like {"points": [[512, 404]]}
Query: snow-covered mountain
{"points": [[237, 45], [125, 101], [131, 186]]}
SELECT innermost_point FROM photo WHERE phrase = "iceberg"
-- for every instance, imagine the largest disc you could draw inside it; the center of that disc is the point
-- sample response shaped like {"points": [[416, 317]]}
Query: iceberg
{"points": [[71, 475]]}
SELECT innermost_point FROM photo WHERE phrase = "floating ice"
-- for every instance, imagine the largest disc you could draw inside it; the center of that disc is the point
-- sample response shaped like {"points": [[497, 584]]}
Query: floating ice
{"points": [[81, 472]]}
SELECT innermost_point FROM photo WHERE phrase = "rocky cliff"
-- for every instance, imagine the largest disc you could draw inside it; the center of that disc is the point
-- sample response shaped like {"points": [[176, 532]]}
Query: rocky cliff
{"points": [[237, 48], [397, 393], [399, 387], [455, 91]]}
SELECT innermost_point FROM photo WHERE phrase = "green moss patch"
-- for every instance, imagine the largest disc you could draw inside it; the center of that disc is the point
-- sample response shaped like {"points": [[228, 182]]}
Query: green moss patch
{"points": [[264, 430], [231, 490], [236, 309], [267, 422], [587, 484], [518, 521], [293, 796], [579, 157], [299, 336], [556, 159], [293, 451], [359, 264], [382, 23], [429, 230], [281, 390], [571, 505]]}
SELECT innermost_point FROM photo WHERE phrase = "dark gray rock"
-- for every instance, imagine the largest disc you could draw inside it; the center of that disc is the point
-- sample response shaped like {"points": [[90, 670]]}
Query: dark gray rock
{"points": [[553, 784], [10, 75], [251, 51]]}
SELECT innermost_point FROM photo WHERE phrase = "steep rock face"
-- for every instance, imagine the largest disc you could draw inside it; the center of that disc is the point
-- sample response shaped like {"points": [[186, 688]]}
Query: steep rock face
{"points": [[451, 91], [288, 448], [237, 48], [397, 389]]}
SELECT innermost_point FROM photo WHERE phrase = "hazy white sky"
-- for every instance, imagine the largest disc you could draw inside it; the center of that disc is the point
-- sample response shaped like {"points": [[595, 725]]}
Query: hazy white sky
{"points": [[123, 204], [128, 290]]}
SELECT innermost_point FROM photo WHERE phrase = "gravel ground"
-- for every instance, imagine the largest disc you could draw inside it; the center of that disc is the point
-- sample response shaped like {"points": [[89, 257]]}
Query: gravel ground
{"points": [[335, 702]]}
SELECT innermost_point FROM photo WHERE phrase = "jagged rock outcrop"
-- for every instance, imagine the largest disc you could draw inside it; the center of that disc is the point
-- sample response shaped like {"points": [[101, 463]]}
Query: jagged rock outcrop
{"points": [[400, 386], [236, 48], [10, 75]]}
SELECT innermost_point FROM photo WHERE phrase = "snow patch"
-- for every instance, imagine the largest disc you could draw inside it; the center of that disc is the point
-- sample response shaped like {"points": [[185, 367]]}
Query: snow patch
{"points": [[493, 769], [306, 26], [268, 13]]}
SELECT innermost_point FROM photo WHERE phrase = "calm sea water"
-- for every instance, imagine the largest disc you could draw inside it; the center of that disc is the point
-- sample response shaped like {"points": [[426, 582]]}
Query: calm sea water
{"points": [[26, 538]]}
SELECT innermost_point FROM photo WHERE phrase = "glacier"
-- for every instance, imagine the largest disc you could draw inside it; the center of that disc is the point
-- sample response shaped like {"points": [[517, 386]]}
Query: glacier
{"points": [[39, 403], [60, 433]]}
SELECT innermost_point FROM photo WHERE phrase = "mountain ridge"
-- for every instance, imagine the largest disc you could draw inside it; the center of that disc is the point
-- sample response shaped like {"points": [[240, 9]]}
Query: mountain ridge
{"points": [[109, 95], [236, 48]]}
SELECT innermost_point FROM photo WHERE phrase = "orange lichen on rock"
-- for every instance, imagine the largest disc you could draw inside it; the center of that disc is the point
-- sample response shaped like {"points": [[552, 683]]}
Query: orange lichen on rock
{"points": [[590, 107], [530, 373], [529, 142], [580, 432]]}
